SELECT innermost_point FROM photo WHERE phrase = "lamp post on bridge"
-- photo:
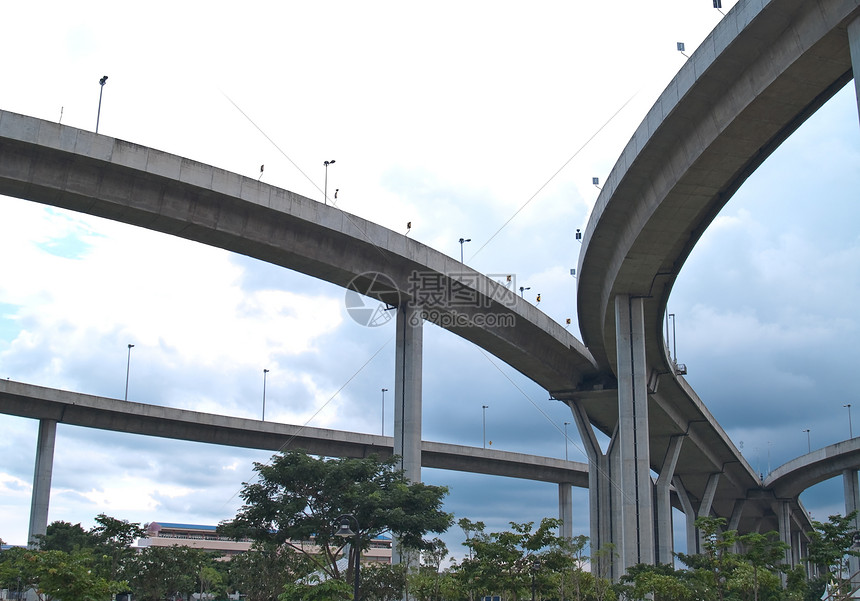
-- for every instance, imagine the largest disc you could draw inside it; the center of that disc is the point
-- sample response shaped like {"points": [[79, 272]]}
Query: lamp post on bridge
{"points": [[850, 428], [462, 241], [265, 373], [384, 390], [566, 424], [102, 83], [128, 369], [484, 410], [808, 441], [325, 187]]}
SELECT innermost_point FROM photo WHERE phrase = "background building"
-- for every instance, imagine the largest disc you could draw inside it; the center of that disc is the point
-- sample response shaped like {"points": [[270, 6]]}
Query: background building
{"points": [[196, 536]]}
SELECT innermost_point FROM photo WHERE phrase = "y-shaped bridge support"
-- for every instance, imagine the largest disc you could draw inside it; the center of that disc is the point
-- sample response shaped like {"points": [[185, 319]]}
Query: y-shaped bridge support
{"points": [[621, 493]]}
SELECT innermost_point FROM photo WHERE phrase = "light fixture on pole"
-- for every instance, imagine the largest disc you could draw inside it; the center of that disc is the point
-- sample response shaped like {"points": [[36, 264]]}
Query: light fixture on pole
{"points": [[484, 410], [808, 441], [566, 424], [463, 240], [325, 188], [345, 531], [102, 83], [384, 390], [127, 369], [850, 428], [265, 372], [523, 289]]}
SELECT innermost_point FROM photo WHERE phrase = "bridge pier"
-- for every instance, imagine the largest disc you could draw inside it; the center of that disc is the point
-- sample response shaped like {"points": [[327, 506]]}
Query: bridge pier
{"points": [[42, 480], [854, 45], [636, 511], [690, 515], [620, 490], [665, 538], [600, 496], [565, 509], [852, 503], [407, 395]]}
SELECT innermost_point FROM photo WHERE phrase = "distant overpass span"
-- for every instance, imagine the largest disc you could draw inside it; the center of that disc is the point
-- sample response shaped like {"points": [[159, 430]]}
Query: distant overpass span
{"points": [[88, 411]]}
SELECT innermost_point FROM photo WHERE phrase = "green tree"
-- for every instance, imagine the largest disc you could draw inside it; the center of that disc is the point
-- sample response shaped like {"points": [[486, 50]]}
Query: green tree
{"points": [[315, 588], [113, 544], [660, 582], [57, 575], [765, 554], [382, 582], [425, 583], [712, 568], [298, 499], [210, 581], [261, 573], [831, 543], [510, 561], [162, 571], [64, 536]]}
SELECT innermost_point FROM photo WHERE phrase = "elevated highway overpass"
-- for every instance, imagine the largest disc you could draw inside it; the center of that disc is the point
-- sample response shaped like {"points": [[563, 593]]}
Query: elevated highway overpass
{"points": [[88, 411], [765, 68], [755, 79]]}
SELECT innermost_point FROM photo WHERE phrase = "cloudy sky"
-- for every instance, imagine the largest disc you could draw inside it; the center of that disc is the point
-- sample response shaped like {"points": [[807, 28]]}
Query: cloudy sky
{"points": [[452, 116]]}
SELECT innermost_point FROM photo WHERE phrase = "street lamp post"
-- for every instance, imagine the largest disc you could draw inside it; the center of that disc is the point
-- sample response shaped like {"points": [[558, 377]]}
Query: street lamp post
{"points": [[523, 289], [808, 441], [850, 428], [127, 369], [325, 188], [102, 83], [534, 570], [265, 372], [484, 410], [566, 424], [345, 531], [384, 390], [462, 240]]}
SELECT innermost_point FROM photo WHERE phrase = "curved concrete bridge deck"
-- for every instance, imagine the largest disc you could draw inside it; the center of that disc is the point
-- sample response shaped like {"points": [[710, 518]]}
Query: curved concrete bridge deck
{"points": [[792, 478], [85, 172], [760, 74]]}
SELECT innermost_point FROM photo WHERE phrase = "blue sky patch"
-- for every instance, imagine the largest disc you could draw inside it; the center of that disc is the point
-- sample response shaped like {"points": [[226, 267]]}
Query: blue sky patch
{"points": [[69, 246]]}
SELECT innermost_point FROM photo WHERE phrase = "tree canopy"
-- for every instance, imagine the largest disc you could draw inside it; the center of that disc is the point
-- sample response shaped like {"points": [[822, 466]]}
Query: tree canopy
{"points": [[297, 500]]}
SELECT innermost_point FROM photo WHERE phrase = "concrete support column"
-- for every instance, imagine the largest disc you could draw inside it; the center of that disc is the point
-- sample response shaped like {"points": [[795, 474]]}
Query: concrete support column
{"points": [[852, 503], [784, 521], [636, 512], [735, 519], [854, 45], [42, 480], [565, 509], [407, 396], [708, 499], [690, 514], [665, 543], [407, 390], [600, 498]]}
